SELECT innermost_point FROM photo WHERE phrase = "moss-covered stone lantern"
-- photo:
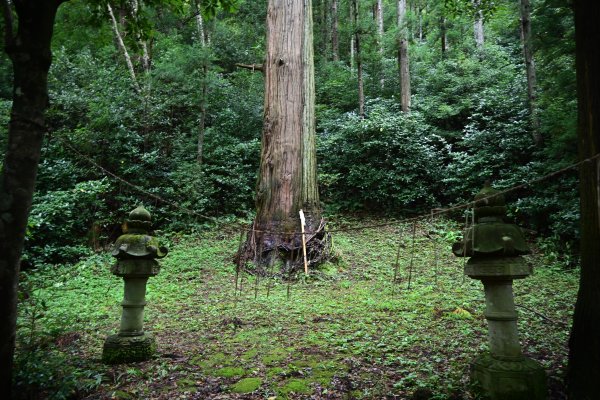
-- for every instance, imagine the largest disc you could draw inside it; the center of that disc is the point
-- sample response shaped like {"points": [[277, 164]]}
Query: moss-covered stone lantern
{"points": [[495, 249], [136, 253]]}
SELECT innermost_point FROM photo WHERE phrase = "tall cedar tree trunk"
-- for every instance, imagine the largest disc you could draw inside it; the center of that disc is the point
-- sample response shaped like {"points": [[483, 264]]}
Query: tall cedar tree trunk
{"points": [[335, 42], [583, 376], [403, 61], [287, 179], [530, 70], [359, 65], [29, 51]]}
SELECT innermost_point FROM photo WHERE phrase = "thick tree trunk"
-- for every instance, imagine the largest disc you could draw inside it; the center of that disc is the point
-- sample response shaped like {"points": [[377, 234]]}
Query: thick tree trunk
{"points": [[287, 179], [359, 69], [583, 373], [403, 61], [30, 54], [530, 70], [335, 42]]}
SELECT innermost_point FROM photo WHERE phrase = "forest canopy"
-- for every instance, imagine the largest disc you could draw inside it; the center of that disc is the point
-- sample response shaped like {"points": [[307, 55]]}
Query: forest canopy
{"points": [[470, 118]]}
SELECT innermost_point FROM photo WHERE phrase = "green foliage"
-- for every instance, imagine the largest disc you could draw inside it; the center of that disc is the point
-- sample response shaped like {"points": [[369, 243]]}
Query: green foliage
{"points": [[355, 325], [388, 160], [60, 222]]}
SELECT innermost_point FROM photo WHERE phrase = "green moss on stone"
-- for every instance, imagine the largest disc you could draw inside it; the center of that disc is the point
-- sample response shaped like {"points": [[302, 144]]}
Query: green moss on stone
{"points": [[246, 385], [124, 349]]}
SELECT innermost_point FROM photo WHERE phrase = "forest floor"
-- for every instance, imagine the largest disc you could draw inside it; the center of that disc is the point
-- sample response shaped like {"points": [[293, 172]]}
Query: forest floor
{"points": [[345, 332]]}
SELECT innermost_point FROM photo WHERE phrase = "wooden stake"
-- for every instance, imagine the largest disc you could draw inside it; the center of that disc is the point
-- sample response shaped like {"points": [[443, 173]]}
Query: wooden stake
{"points": [[302, 222], [412, 255]]}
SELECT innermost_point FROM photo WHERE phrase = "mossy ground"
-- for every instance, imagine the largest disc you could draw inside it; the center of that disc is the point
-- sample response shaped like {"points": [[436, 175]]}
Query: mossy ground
{"points": [[346, 333]]}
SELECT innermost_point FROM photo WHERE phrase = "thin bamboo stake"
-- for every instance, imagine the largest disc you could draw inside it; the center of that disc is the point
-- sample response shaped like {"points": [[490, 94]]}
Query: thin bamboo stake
{"points": [[412, 256], [302, 223], [396, 265], [239, 262], [465, 243], [292, 256], [271, 262], [435, 248], [256, 270]]}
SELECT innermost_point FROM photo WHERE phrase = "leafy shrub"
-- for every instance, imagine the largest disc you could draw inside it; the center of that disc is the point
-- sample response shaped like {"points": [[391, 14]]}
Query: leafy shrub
{"points": [[60, 222], [388, 160]]}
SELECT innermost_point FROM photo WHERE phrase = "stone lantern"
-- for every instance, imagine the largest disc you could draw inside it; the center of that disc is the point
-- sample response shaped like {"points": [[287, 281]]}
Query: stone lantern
{"points": [[136, 253], [495, 249]]}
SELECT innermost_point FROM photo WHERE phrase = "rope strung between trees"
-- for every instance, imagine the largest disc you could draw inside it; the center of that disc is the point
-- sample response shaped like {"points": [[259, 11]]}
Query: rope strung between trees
{"points": [[434, 213]]}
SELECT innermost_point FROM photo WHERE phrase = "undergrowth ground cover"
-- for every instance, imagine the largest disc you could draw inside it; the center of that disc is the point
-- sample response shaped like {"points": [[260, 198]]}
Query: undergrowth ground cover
{"points": [[346, 332]]}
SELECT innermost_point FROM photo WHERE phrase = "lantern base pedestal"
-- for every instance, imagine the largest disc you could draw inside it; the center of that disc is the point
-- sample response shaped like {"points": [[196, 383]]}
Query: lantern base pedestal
{"points": [[125, 349], [522, 379]]}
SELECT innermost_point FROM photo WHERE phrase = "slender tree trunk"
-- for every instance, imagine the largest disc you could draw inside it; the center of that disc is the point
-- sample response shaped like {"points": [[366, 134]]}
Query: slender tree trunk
{"points": [[583, 372], [123, 48], [352, 37], [287, 176], [380, 39], [420, 11], [335, 42], [30, 53], [359, 69], [443, 41], [530, 71], [325, 27], [478, 25], [403, 61], [204, 89]]}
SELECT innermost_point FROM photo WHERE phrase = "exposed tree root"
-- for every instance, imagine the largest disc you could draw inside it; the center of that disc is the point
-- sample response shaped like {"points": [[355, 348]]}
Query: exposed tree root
{"points": [[280, 254]]}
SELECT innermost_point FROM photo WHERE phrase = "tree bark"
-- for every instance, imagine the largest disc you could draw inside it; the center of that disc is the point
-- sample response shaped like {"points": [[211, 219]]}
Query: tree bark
{"points": [[287, 179], [204, 86], [352, 38], [403, 61], [123, 48], [443, 41], [380, 40], [335, 42], [30, 53], [478, 25], [359, 69], [583, 373], [530, 70]]}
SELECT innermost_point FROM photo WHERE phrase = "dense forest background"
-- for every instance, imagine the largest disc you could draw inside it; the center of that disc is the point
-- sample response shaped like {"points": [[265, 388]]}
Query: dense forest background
{"points": [[181, 124]]}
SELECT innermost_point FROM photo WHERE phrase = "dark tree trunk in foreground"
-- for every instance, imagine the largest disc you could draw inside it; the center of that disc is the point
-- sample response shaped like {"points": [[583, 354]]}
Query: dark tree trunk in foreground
{"points": [[287, 179], [583, 376], [29, 51]]}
